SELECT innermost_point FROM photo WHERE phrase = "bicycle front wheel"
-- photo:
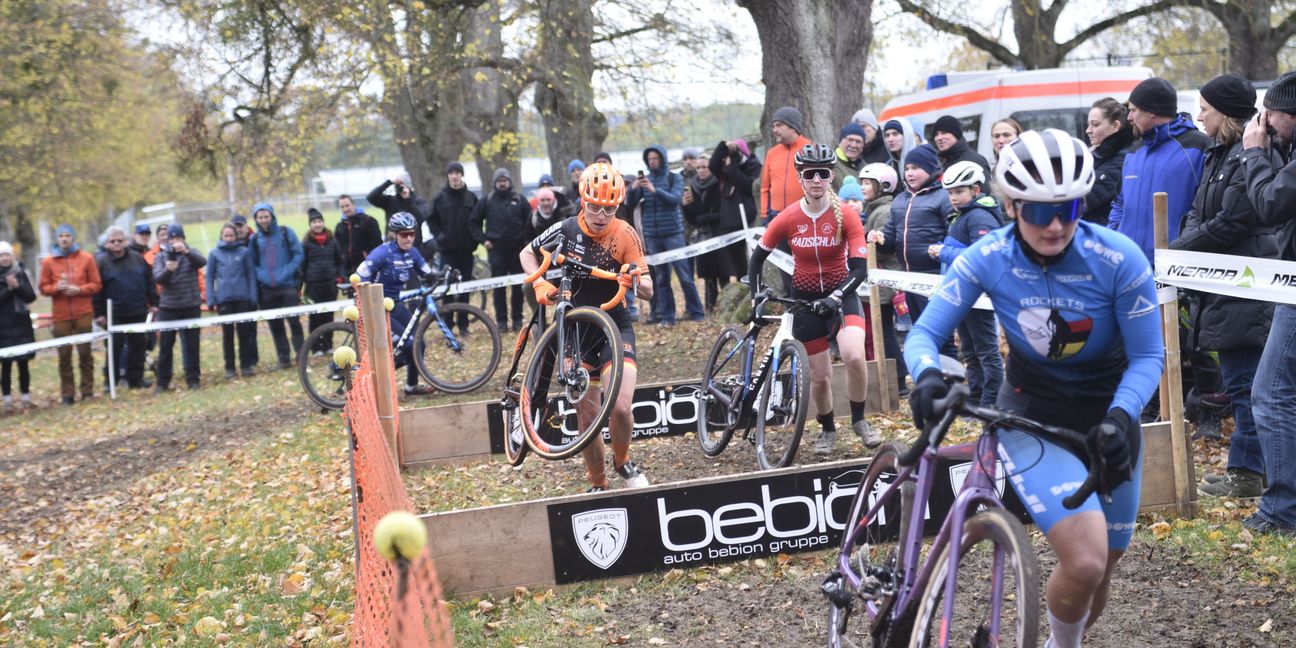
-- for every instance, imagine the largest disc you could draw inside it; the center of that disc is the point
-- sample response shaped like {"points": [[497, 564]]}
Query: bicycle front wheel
{"points": [[722, 377], [557, 379], [515, 446], [781, 415], [996, 597], [323, 381], [458, 350]]}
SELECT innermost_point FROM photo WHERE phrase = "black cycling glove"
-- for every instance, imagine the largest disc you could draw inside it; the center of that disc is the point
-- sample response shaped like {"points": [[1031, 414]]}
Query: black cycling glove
{"points": [[929, 388], [1117, 441]]}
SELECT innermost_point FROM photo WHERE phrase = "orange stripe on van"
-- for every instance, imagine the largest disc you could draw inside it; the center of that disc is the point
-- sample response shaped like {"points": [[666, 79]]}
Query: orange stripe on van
{"points": [[1108, 86]]}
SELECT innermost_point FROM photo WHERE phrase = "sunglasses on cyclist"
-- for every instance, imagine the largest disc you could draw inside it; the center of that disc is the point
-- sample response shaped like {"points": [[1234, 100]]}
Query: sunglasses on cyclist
{"points": [[408, 234], [1042, 214], [813, 174], [601, 210]]}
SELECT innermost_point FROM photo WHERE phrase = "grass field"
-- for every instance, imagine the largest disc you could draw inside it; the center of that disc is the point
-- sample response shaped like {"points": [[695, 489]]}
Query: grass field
{"points": [[205, 235]]}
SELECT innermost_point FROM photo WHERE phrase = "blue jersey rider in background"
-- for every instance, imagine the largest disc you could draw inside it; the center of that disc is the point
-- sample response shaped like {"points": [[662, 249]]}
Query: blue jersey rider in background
{"points": [[392, 264], [1078, 305]]}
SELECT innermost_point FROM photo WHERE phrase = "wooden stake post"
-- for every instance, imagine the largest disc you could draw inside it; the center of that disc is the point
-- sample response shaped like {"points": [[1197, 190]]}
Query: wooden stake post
{"points": [[378, 346], [1171, 391], [886, 385]]}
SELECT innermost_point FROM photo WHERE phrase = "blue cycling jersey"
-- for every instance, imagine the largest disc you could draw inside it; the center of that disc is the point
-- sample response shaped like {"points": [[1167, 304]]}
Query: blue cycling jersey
{"points": [[392, 267], [1083, 326]]}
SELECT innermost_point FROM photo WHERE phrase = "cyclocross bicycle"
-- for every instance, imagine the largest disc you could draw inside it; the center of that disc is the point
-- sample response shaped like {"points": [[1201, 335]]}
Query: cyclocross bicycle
{"points": [[727, 398], [881, 594], [538, 407], [456, 346]]}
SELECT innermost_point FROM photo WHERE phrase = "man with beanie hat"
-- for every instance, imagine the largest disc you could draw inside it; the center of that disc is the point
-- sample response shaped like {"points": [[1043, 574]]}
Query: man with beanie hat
{"points": [[1267, 143], [780, 185], [322, 269], [850, 151], [947, 135], [451, 224], [1170, 160], [498, 221], [574, 170], [70, 278], [874, 147]]}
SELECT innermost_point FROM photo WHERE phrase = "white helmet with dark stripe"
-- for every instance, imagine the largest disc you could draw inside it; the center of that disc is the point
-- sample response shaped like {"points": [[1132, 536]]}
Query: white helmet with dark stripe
{"points": [[1045, 167], [963, 174]]}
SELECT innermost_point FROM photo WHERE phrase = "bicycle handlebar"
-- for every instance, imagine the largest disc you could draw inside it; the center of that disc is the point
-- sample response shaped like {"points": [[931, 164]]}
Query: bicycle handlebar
{"points": [[552, 255], [955, 404]]}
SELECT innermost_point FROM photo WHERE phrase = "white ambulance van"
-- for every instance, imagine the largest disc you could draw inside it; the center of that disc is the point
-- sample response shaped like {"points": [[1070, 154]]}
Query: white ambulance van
{"points": [[1037, 99]]}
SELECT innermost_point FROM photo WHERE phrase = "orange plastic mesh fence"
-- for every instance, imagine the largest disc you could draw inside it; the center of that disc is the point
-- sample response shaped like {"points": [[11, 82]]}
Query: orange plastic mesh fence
{"points": [[394, 605]]}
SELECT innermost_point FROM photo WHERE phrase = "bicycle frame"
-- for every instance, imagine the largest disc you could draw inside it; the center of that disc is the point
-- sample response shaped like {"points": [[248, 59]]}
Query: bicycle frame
{"points": [[424, 304], [978, 490], [744, 401]]}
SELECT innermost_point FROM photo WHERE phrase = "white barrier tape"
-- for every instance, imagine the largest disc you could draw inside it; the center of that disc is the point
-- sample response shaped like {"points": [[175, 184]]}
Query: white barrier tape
{"points": [[80, 338], [918, 283], [1166, 294], [236, 318], [1267, 280]]}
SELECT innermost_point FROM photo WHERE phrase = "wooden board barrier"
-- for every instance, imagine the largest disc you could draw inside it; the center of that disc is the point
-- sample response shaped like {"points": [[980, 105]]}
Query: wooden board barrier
{"points": [[458, 433]]}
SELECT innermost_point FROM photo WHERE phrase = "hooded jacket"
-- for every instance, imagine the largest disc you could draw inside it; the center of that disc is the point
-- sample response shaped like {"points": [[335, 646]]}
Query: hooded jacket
{"points": [[321, 262], [917, 222], [180, 287], [879, 212], [357, 236], [780, 185], [231, 274], [15, 315], [415, 205], [912, 138], [128, 281], [1109, 159], [1223, 221], [967, 224], [451, 220], [1170, 160], [1271, 186], [504, 214], [961, 152], [660, 209], [80, 270], [276, 252]]}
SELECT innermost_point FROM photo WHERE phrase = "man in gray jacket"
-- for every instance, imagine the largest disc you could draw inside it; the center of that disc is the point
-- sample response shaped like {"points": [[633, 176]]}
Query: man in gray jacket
{"points": [[175, 269]]}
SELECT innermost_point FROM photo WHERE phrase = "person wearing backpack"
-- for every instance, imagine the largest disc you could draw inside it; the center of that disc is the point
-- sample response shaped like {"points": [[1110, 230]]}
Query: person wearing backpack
{"points": [[278, 255]]}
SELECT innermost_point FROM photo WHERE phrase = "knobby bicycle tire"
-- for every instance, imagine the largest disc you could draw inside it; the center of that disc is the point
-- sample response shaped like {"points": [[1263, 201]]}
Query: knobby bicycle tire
{"points": [[851, 629], [781, 414], [716, 422], [320, 378], [457, 363], [515, 445], [542, 410], [1006, 534]]}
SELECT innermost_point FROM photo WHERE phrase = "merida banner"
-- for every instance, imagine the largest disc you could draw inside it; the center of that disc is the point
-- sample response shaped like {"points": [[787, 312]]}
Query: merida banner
{"points": [[1223, 274]]}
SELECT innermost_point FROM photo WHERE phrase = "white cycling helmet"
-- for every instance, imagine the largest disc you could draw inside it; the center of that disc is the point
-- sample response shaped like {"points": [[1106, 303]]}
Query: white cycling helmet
{"points": [[882, 174], [1045, 167], [963, 174]]}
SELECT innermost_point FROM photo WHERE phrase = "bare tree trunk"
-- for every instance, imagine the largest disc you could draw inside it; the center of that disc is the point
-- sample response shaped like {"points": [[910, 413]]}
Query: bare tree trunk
{"points": [[1254, 42], [574, 128], [804, 45], [491, 102]]}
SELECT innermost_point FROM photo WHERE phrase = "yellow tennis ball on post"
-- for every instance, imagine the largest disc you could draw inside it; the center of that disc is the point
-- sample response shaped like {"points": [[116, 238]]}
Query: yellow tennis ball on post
{"points": [[351, 313], [400, 534], [388, 304], [355, 279], [344, 357]]}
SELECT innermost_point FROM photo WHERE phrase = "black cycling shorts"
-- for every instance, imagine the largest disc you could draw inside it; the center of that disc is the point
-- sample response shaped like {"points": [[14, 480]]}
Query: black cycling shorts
{"points": [[812, 330], [597, 355]]}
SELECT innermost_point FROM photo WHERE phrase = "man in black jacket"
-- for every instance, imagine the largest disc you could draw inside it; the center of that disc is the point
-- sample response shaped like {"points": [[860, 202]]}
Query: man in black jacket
{"points": [[357, 235], [140, 242], [128, 282], [175, 269], [504, 213], [947, 135], [404, 200], [451, 224]]}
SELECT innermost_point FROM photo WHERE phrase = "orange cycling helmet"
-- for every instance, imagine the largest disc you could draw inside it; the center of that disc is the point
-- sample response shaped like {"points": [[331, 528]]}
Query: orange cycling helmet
{"points": [[601, 184]]}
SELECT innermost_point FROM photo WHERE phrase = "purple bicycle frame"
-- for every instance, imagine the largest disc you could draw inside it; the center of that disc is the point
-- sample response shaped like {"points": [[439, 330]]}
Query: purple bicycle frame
{"points": [[978, 489]]}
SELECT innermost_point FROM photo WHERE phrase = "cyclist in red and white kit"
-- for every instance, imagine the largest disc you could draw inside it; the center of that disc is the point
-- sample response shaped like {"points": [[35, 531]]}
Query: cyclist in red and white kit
{"points": [[828, 251]]}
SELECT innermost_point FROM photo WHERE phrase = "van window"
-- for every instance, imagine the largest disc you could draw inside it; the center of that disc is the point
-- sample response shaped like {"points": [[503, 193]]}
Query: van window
{"points": [[1071, 120], [971, 129]]}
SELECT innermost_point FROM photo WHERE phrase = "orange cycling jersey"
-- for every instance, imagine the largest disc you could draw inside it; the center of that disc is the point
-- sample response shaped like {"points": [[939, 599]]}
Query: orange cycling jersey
{"points": [[617, 245], [818, 253]]}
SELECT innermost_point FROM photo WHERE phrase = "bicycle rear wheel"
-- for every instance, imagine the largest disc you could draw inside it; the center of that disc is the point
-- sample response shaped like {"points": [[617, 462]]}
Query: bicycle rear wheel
{"points": [[721, 375], [458, 350], [995, 549], [515, 446], [785, 396], [875, 550], [324, 381], [556, 380]]}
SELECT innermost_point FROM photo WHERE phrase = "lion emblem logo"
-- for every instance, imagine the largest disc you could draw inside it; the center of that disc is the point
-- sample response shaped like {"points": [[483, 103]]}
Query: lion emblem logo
{"points": [[601, 535]]}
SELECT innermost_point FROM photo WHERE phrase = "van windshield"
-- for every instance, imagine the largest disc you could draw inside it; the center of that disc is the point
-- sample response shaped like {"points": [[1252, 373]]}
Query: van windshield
{"points": [[1071, 120]]}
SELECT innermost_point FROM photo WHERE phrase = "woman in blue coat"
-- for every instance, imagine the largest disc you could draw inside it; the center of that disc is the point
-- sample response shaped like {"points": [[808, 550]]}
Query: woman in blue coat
{"points": [[232, 288]]}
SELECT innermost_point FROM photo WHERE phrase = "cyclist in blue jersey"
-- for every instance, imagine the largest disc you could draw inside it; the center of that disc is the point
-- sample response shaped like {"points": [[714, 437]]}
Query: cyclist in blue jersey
{"points": [[391, 264], [1077, 303]]}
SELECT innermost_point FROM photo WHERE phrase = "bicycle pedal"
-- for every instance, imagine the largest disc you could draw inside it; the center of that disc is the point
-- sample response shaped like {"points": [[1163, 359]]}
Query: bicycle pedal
{"points": [[832, 588]]}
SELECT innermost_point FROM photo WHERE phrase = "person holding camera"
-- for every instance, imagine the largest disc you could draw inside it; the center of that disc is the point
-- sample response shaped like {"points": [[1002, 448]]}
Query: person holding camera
{"points": [[176, 271], [404, 200], [658, 193], [15, 326], [70, 278]]}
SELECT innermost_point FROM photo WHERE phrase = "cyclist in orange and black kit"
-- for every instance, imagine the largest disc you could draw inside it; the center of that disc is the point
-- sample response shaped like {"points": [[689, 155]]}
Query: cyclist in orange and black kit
{"points": [[596, 237]]}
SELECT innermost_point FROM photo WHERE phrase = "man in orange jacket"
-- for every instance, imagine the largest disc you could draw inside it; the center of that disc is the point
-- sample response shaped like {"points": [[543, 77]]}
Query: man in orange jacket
{"points": [[71, 279], [780, 184]]}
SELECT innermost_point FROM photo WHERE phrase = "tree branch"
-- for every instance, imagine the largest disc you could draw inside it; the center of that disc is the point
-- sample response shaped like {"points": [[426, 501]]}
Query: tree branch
{"points": [[976, 38], [607, 38], [1118, 19], [1287, 28]]}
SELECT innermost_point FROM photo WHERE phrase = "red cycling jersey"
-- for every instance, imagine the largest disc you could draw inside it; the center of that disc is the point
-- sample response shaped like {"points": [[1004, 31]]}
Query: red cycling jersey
{"points": [[819, 258]]}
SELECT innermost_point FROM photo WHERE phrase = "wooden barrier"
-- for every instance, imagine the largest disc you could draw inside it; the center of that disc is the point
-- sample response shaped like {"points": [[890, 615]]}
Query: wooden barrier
{"points": [[1171, 391], [458, 433]]}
